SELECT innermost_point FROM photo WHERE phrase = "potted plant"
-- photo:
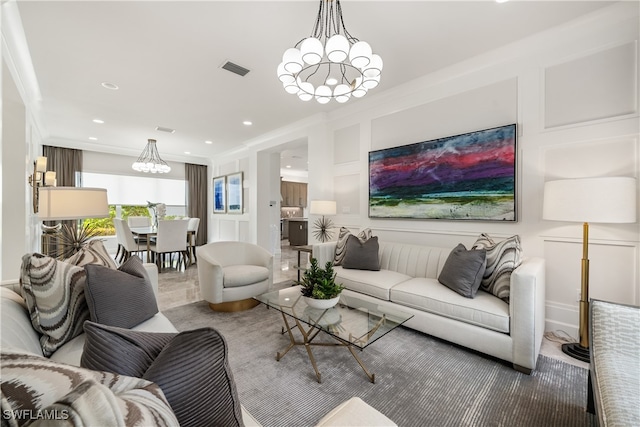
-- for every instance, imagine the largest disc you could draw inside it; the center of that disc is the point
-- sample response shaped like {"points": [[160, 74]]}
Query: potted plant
{"points": [[319, 286]]}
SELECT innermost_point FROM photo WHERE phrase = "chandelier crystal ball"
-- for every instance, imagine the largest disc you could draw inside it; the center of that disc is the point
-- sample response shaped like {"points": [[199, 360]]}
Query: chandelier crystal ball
{"points": [[150, 161], [331, 63]]}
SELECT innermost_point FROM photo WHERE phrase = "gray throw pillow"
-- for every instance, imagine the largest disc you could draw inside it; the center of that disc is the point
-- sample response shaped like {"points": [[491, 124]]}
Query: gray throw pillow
{"points": [[104, 346], [462, 271], [191, 368], [122, 297], [361, 255], [341, 244]]}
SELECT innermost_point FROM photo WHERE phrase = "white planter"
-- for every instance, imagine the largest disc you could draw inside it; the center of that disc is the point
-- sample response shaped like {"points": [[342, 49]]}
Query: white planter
{"points": [[321, 303]]}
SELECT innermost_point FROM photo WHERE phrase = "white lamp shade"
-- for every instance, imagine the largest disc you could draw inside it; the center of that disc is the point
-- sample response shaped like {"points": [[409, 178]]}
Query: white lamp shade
{"points": [[370, 82], [41, 164], [311, 50], [360, 55], [337, 48], [323, 207], [342, 93], [358, 88], [600, 200], [60, 203], [50, 179], [291, 87], [284, 75], [374, 68], [292, 60], [306, 91], [323, 94]]}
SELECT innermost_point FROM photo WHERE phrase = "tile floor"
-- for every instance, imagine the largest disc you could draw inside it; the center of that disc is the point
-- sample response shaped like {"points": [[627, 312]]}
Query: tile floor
{"points": [[181, 287]]}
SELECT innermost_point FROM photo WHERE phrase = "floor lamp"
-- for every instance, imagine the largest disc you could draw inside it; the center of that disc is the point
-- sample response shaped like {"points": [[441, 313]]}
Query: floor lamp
{"points": [[69, 203], [600, 200]]}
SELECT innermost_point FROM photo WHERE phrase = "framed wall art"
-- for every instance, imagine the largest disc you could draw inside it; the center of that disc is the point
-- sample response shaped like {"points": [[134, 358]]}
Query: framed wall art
{"points": [[464, 177], [219, 194], [234, 193]]}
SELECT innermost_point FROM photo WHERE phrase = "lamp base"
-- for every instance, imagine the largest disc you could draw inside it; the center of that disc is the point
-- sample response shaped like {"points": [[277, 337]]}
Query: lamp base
{"points": [[577, 351]]}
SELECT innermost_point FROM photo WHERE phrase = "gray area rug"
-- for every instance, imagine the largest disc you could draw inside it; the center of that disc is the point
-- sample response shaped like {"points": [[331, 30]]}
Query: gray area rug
{"points": [[420, 380]]}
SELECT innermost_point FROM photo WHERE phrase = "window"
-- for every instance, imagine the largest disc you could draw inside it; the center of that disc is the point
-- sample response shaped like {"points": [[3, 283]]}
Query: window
{"points": [[129, 195]]}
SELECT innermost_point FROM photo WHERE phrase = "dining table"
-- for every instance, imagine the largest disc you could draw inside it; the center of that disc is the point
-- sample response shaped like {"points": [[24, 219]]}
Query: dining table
{"points": [[146, 233]]}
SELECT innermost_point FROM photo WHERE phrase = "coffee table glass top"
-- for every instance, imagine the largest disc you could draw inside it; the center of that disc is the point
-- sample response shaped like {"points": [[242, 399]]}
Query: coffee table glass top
{"points": [[353, 320]]}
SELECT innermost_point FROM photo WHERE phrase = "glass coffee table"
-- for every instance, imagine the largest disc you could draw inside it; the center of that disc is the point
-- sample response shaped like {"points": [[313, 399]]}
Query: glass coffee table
{"points": [[352, 323]]}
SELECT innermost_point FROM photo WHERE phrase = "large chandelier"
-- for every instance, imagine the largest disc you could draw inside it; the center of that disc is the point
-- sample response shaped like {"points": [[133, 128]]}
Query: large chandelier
{"points": [[150, 161], [331, 63]]}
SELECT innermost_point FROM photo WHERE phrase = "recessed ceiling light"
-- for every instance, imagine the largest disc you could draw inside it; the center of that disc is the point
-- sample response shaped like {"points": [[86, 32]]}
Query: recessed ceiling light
{"points": [[187, 152], [501, 1], [109, 85], [93, 138], [247, 123], [98, 121], [288, 166], [208, 142]]}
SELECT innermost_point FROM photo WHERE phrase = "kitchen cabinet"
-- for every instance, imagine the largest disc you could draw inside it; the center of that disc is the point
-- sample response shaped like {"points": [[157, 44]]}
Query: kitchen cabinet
{"points": [[293, 193], [297, 232]]}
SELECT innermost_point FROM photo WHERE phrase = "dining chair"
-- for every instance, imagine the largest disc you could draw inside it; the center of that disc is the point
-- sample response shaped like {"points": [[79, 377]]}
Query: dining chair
{"points": [[171, 238], [194, 224], [126, 243], [139, 221]]}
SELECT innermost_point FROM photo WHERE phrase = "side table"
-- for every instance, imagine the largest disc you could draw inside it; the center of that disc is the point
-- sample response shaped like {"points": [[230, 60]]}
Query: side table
{"points": [[304, 248]]}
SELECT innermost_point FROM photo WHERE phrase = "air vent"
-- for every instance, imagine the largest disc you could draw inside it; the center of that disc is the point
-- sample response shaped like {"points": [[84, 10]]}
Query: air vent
{"points": [[235, 68], [161, 129]]}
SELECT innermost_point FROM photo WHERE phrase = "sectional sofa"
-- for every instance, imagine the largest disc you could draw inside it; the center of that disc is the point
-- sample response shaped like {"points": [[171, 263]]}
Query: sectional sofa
{"points": [[189, 363], [408, 281]]}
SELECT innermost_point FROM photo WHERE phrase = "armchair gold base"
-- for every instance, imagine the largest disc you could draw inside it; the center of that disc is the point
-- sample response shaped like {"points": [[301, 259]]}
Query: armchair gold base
{"points": [[231, 306]]}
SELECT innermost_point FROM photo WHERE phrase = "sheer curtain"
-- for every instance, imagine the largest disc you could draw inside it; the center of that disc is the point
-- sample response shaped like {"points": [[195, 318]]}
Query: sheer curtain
{"points": [[196, 178]]}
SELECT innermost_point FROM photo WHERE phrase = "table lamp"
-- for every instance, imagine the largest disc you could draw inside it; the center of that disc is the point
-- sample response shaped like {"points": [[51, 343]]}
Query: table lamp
{"points": [[323, 225], [72, 203], [599, 200]]}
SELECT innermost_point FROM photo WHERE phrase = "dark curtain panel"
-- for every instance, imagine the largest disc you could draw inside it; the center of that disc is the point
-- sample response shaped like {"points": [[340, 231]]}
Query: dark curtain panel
{"points": [[196, 177], [67, 164]]}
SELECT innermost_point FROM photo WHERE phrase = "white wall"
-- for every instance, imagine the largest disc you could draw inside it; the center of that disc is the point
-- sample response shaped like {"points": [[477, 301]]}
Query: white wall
{"points": [[15, 206], [573, 92]]}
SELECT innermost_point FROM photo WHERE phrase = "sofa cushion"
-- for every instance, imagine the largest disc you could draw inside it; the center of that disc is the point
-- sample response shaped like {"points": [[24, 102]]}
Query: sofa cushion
{"points": [[429, 295], [16, 330], [71, 352], [242, 275], [361, 255], [502, 258], [191, 368], [54, 293], [122, 297], [341, 244], [374, 283], [79, 397], [463, 270]]}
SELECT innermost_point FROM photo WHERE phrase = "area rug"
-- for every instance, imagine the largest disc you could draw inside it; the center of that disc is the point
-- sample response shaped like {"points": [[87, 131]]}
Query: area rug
{"points": [[420, 380]]}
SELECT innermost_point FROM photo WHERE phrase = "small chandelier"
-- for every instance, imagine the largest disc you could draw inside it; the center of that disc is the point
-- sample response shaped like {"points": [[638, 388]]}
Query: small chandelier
{"points": [[331, 63], [150, 161]]}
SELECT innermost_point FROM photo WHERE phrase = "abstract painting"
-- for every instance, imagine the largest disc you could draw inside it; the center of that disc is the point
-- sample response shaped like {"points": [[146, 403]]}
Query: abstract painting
{"points": [[464, 177], [219, 195]]}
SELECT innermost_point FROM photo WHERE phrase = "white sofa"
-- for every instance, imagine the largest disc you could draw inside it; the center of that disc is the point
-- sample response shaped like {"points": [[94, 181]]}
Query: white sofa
{"points": [[17, 335], [408, 281]]}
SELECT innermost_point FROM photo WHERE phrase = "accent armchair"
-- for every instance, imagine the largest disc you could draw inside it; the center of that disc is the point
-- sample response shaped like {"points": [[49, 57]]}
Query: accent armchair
{"points": [[231, 273]]}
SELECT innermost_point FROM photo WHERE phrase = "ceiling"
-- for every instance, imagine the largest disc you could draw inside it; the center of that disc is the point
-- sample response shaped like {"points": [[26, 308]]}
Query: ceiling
{"points": [[166, 58]]}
